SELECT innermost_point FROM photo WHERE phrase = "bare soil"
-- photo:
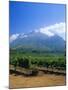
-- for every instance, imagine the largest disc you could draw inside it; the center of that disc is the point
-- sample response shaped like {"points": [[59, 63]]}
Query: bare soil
{"points": [[42, 80]]}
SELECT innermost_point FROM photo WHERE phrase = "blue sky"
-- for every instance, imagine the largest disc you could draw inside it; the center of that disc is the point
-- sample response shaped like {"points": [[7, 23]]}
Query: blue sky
{"points": [[27, 16]]}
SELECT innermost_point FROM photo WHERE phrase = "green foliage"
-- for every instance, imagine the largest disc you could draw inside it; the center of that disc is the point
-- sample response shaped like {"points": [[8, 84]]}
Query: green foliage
{"points": [[28, 60], [24, 62], [14, 62]]}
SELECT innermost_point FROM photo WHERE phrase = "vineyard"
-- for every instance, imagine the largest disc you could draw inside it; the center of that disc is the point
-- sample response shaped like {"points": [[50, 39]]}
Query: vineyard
{"points": [[38, 61], [33, 69]]}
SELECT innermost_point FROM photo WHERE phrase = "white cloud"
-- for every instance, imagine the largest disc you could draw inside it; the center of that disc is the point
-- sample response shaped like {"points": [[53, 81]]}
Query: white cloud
{"points": [[13, 37], [51, 30], [58, 28], [23, 35], [46, 31]]}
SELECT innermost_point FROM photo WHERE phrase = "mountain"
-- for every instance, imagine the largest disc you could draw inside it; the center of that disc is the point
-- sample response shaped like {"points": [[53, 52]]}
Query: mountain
{"points": [[35, 40]]}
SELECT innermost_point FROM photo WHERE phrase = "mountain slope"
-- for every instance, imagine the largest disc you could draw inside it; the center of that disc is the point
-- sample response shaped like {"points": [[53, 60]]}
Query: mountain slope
{"points": [[39, 41]]}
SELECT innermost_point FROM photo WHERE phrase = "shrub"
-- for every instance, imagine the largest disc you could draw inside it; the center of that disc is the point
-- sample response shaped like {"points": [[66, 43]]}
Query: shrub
{"points": [[24, 62], [15, 63]]}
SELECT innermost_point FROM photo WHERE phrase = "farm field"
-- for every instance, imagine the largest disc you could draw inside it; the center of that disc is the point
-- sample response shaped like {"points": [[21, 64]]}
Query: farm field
{"points": [[37, 70], [38, 59]]}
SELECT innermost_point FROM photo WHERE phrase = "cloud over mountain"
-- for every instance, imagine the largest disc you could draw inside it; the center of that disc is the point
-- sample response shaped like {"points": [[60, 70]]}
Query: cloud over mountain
{"points": [[58, 29], [51, 30], [13, 37]]}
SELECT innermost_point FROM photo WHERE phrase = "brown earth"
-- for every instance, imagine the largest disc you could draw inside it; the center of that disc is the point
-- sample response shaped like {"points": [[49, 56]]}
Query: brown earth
{"points": [[44, 80]]}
